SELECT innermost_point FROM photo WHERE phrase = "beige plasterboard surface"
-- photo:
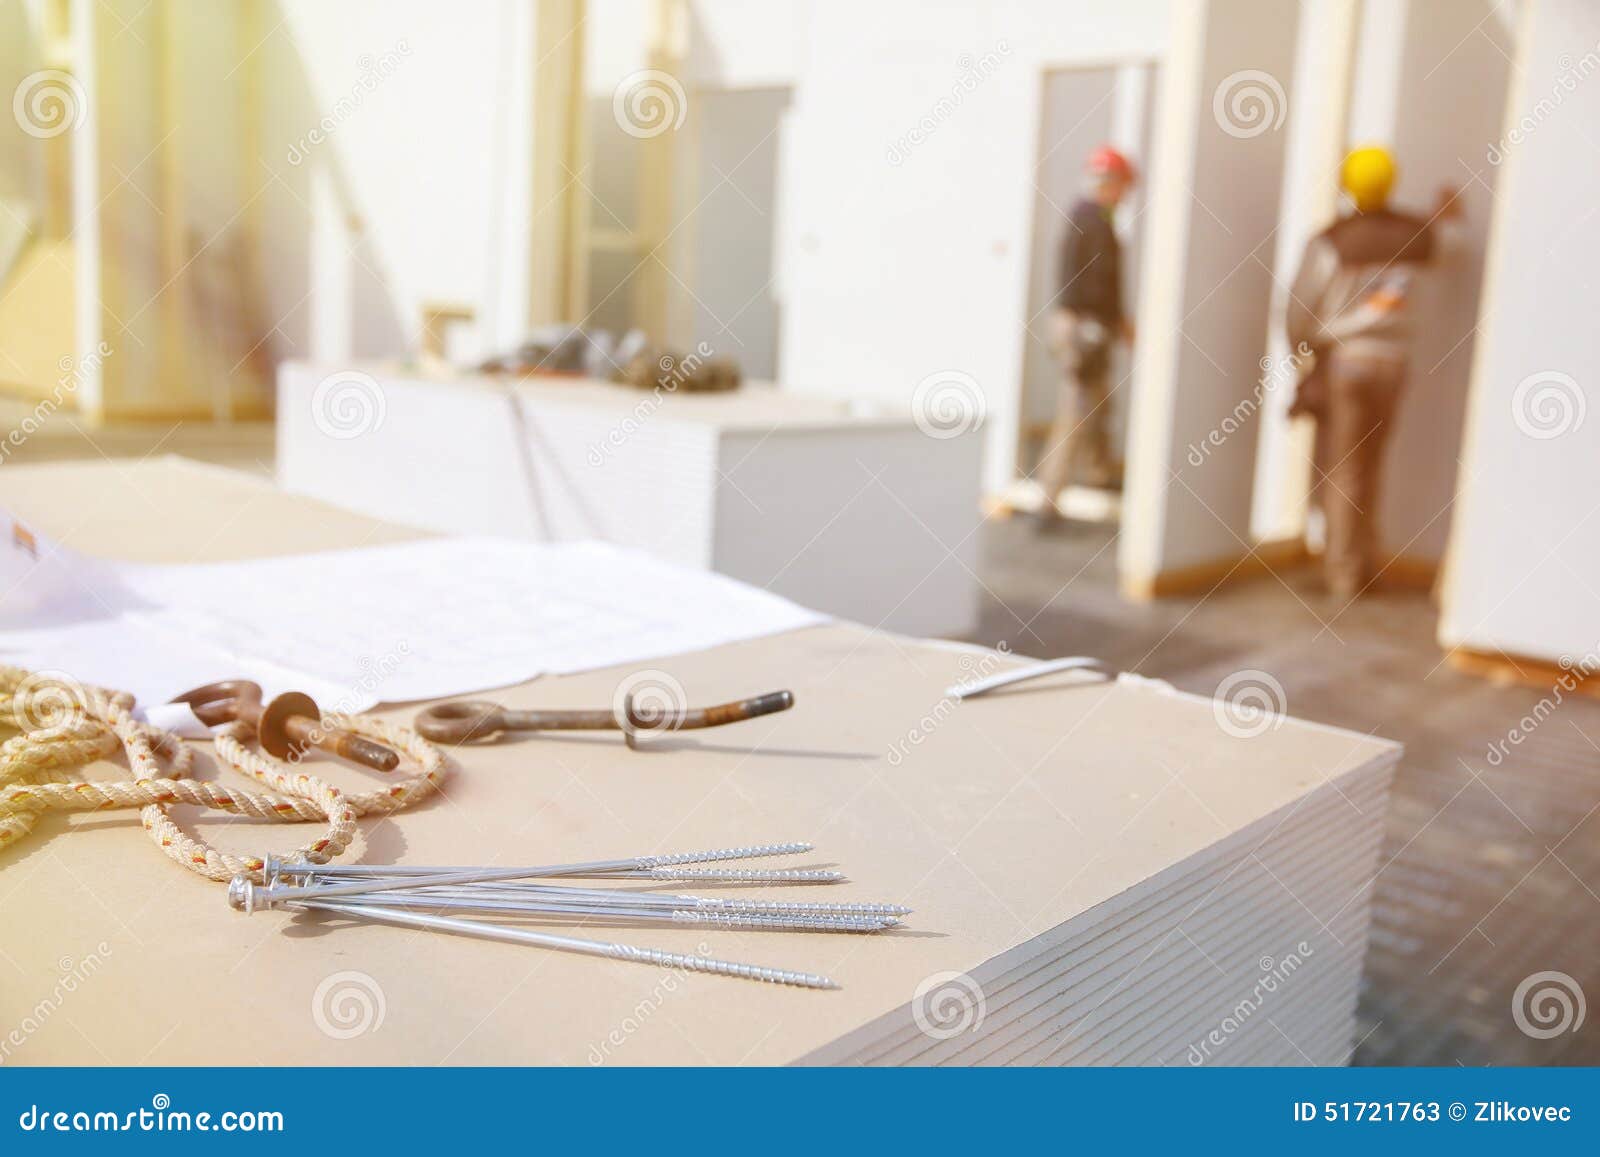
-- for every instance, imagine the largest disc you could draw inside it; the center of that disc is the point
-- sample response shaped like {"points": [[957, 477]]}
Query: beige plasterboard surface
{"points": [[1011, 815], [1333, 856]]}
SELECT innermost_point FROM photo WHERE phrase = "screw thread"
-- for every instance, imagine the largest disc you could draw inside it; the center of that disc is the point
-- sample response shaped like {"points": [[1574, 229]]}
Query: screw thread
{"points": [[750, 875], [806, 908], [750, 852], [757, 922], [719, 967]]}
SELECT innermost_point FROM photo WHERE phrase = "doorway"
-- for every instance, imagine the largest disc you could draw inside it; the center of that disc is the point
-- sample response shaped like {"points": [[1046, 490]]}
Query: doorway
{"points": [[733, 306], [1080, 109], [681, 227]]}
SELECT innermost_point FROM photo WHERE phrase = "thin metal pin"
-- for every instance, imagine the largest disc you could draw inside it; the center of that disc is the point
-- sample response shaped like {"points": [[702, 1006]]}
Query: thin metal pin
{"points": [[275, 865], [795, 922], [732, 904], [1022, 674], [611, 951], [740, 875], [357, 885]]}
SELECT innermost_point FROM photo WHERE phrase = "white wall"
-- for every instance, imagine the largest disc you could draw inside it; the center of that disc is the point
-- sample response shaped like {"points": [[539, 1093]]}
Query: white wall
{"points": [[896, 258], [1526, 547], [1317, 139], [1428, 82], [418, 190], [312, 171], [905, 257], [721, 43], [1216, 180], [737, 44], [616, 41], [1451, 101], [412, 193]]}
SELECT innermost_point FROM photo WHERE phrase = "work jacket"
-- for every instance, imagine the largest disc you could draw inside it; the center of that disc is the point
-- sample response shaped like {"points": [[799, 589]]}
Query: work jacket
{"points": [[1091, 265], [1354, 290]]}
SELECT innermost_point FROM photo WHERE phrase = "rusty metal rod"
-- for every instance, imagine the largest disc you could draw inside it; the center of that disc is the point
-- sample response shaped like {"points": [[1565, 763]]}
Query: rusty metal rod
{"points": [[287, 726], [471, 719]]}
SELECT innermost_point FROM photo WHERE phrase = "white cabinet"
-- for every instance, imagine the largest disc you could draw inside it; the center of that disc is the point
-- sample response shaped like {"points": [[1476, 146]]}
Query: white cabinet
{"points": [[856, 513]]}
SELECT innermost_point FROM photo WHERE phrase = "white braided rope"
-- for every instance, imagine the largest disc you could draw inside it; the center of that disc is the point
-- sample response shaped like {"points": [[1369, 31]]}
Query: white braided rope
{"points": [[85, 724]]}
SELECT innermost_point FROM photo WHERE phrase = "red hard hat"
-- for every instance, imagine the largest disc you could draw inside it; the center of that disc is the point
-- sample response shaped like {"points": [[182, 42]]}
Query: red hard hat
{"points": [[1108, 160]]}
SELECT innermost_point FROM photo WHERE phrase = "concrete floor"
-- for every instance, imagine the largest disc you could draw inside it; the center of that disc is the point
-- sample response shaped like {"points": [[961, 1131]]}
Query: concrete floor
{"points": [[1489, 874]]}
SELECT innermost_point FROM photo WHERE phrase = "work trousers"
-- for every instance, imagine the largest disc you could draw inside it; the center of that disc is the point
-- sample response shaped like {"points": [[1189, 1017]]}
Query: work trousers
{"points": [[1351, 436], [1082, 412]]}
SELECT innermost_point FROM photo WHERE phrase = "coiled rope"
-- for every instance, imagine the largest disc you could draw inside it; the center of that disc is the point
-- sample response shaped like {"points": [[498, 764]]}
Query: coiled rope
{"points": [[64, 725]]}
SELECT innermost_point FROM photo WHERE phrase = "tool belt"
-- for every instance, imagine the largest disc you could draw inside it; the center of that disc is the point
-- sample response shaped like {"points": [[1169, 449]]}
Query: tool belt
{"points": [[1090, 341], [1311, 394]]}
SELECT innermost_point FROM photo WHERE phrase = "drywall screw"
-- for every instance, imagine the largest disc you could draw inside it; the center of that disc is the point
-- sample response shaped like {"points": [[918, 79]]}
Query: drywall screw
{"points": [[276, 865], [737, 875], [720, 903], [353, 883], [622, 910], [527, 936]]}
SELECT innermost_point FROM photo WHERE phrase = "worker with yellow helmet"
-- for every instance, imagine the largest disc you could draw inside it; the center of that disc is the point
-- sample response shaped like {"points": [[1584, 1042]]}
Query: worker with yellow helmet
{"points": [[1368, 176], [1350, 305]]}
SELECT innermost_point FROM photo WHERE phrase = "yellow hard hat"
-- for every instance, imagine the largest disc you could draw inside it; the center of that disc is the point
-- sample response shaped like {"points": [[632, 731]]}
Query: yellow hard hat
{"points": [[1367, 175]]}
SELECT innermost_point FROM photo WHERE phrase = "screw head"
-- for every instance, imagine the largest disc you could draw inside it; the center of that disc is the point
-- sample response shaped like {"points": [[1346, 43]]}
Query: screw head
{"points": [[273, 727], [242, 894]]}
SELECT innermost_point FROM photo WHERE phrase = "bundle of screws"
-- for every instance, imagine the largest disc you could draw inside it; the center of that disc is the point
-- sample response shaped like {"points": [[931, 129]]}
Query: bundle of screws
{"points": [[421, 897]]}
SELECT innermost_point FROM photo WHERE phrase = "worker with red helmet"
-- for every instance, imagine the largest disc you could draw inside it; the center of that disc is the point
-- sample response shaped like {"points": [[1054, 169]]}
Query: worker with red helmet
{"points": [[1087, 316]]}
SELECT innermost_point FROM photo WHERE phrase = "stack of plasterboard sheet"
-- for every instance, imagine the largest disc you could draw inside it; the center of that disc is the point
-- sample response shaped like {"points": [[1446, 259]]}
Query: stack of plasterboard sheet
{"points": [[1247, 953], [1124, 872]]}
